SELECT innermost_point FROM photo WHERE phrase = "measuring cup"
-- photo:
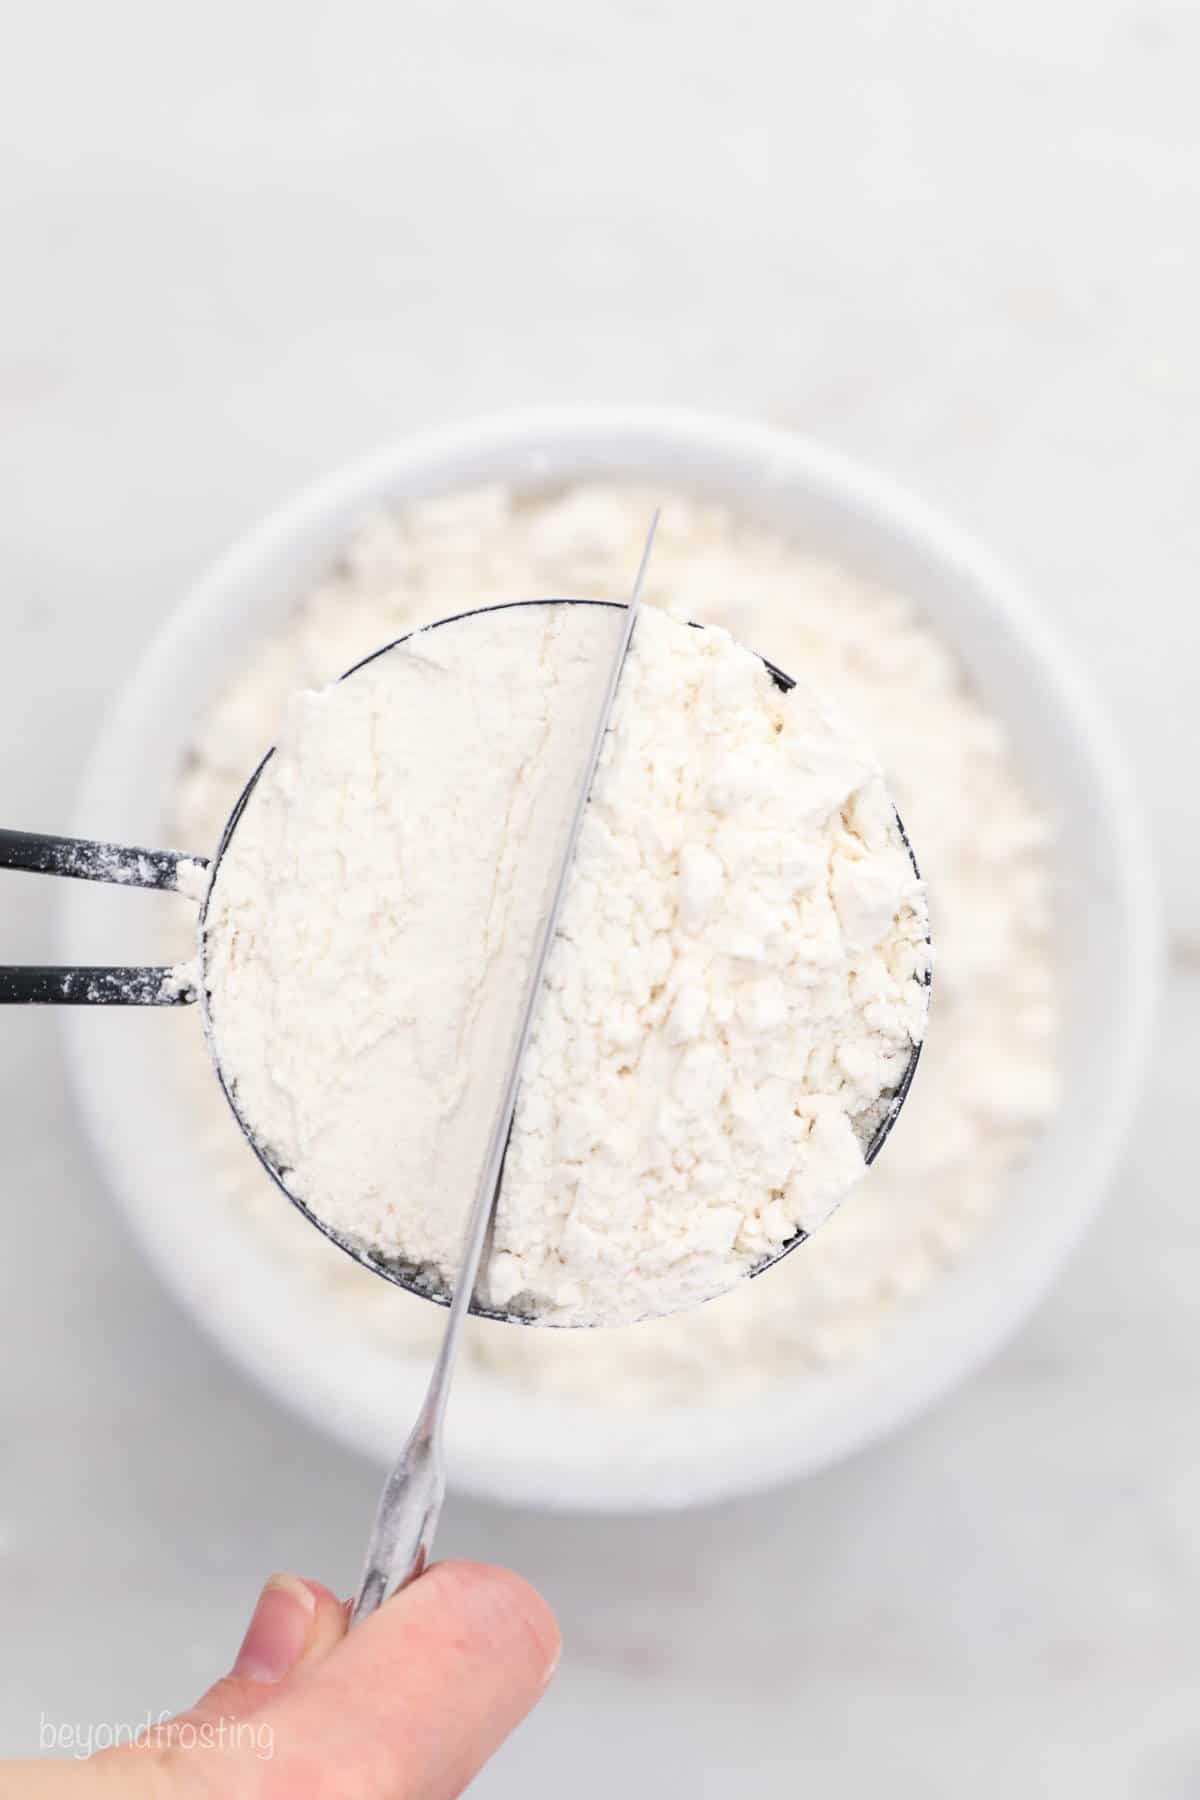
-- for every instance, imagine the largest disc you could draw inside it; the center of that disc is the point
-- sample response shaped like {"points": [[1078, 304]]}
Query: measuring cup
{"points": [[193, 876]]}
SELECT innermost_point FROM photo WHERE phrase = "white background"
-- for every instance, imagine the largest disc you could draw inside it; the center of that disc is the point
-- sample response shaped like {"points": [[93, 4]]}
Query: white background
{"points": [[246, 241]]}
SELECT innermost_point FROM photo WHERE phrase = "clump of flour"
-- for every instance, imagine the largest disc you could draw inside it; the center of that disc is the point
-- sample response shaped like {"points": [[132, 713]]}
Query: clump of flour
{"points": [[735, 991], [990, 1070]]}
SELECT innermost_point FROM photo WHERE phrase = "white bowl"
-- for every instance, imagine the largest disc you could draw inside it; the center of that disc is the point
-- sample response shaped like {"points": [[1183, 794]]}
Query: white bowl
{"points": [[502, 1443]]}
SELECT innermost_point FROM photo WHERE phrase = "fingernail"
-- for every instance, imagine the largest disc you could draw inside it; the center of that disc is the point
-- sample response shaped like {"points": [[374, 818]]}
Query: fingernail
{"points": [[278, 1633]]}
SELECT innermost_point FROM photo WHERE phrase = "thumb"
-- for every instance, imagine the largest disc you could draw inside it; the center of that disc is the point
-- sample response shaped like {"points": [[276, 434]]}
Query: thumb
{"points": [[295, 1623]]}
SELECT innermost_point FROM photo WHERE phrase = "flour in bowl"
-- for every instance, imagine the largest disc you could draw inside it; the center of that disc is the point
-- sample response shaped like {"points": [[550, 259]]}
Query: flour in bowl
{"points": [[734, 994], [989, 1074]]}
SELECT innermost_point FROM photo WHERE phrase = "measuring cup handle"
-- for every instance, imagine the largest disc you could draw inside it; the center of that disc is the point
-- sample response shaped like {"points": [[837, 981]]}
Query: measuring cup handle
{"points": [[86, 860], [26, 984]]}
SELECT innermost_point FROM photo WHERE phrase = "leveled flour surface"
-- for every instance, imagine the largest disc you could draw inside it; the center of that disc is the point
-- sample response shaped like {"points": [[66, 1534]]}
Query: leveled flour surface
{"points": [[375, 913]]}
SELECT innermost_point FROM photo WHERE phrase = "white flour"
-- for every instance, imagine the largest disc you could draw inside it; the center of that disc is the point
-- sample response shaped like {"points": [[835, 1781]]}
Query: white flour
{"points": [[989, 1073], [735, 991]]}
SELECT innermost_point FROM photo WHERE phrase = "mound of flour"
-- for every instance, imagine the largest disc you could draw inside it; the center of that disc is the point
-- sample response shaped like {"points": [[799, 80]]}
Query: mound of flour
{"points": [[990, 1070], [733, 996]]}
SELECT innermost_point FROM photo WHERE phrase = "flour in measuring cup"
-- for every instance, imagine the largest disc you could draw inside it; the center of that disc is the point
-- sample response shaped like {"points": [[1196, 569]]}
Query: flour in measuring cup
{"points": [[737, 984]]}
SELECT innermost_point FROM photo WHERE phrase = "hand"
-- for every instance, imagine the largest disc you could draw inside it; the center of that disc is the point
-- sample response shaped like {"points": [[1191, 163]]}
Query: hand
{"points": [[407, 1707]]}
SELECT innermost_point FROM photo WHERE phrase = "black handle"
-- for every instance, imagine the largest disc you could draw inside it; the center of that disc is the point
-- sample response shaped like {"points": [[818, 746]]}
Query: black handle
{"points": [[88, 861], [85, 860], [28, 985]]}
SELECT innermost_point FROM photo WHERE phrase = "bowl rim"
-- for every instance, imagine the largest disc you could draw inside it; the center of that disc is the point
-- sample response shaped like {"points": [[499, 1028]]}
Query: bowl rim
{"points": [[598, 438]]}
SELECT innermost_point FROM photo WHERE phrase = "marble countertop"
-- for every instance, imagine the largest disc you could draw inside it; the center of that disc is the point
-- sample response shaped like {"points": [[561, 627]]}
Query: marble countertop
{"points": [[246, 244]]}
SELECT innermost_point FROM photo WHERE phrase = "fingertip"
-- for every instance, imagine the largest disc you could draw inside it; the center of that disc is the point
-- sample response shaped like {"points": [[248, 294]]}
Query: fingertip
{"points": [[296, 1620], [502, 1605], [320, 1593], [279, 1630], [331, 1623]]}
